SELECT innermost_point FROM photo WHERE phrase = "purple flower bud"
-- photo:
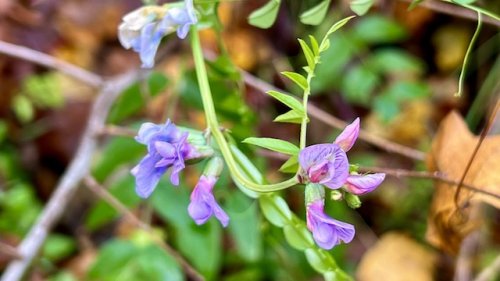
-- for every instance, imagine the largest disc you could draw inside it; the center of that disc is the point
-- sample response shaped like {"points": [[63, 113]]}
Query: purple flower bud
{"points": [[142, 30], [326, 164], [203, 204], [348, 136], [326, 231], [362, 184], [167, 148]]}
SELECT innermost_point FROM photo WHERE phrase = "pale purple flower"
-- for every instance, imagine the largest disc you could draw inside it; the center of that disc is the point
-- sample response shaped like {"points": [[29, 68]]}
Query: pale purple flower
{"points": [[203, 204], [327, 232], [348, 136], [362, 184], [167, 148], [142, 30], [325, 164]]}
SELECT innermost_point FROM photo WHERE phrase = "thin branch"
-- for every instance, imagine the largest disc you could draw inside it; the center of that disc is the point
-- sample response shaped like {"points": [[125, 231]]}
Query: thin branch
{"points": [[112, 130], [330, 120], [78, 168], [100, 191], [438, 176], [36, 57], [489, 272], [455, 10]]}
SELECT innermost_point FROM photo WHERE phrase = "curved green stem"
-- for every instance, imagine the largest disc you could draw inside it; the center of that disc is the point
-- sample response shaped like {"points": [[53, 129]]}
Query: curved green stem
{"points": [[467, 54], [214, 127]]}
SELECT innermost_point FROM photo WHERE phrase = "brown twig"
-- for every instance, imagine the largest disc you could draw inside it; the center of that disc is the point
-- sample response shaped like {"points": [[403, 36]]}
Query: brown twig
{"points": [[425, 175], [329, 119], [455, 10], [100, 191], [78, 168], [28, 54], [113, 130]]}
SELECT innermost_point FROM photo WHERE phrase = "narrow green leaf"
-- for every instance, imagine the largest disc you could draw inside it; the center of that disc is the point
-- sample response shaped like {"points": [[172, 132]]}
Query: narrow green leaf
{"points": [[317, 259], [338, 25], [300, 80], [314, 45], [287, 100], [316, 14], [291, 116], [464, 1], [274, 145], [310, 57], [290, 166], [360, 7], [265, 16], [376, 29], [298, 237], [275, 209]]}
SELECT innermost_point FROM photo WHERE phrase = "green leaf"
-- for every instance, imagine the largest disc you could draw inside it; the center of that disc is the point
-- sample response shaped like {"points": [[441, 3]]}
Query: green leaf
{"points": [[290, 166], [201, 245], [112, 156], [44, 90], [395, 61], [314, 45], [462, 2], [245, 226], [386, 107], [338, 25], [408, 90], [102, 213], [358, 85], [376, 29], [316, 14], [298, 237], [126, 261], [275, 209], [310, 57], [274, 145], [288, 100], [291, 116], [23, 108], [266, 15], [360, 7], [58, 247], [298, 79], [132, 100], [317, 259]]}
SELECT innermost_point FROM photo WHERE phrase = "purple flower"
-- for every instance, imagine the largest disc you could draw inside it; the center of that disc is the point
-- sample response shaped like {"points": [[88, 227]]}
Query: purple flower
{"points": [[362, 184], [167, 148], [203, 204], [326, 231], [348, 136], [142, 29], [326, 164]]}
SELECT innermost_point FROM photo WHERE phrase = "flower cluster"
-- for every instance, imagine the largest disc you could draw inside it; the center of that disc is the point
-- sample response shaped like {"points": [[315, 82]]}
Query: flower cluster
{"points": [[327, 165], [169, 148], [143, 29]]}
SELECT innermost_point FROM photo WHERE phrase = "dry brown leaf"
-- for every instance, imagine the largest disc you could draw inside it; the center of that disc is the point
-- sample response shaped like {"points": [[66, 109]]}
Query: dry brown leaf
{"points": [[451, 150], [397, 257]]}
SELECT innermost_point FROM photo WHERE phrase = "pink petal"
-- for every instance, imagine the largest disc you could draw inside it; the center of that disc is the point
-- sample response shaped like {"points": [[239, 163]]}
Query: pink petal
{"points": [[348, 136], [362, 184]]}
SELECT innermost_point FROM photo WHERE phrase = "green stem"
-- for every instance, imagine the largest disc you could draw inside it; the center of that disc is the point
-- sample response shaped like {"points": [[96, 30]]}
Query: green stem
{"points": [[461, 80], [479, 10], [214, 127], [305, 118]]}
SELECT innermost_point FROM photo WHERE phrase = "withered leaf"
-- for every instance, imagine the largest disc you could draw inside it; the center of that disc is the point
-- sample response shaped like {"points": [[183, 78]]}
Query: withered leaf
{"points": [[452, 149], [397, 257]]}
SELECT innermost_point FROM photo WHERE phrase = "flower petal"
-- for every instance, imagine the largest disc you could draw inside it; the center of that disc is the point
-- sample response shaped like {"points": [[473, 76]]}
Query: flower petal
{"points": [[348, 136], [147, 175], [362, 184]]}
